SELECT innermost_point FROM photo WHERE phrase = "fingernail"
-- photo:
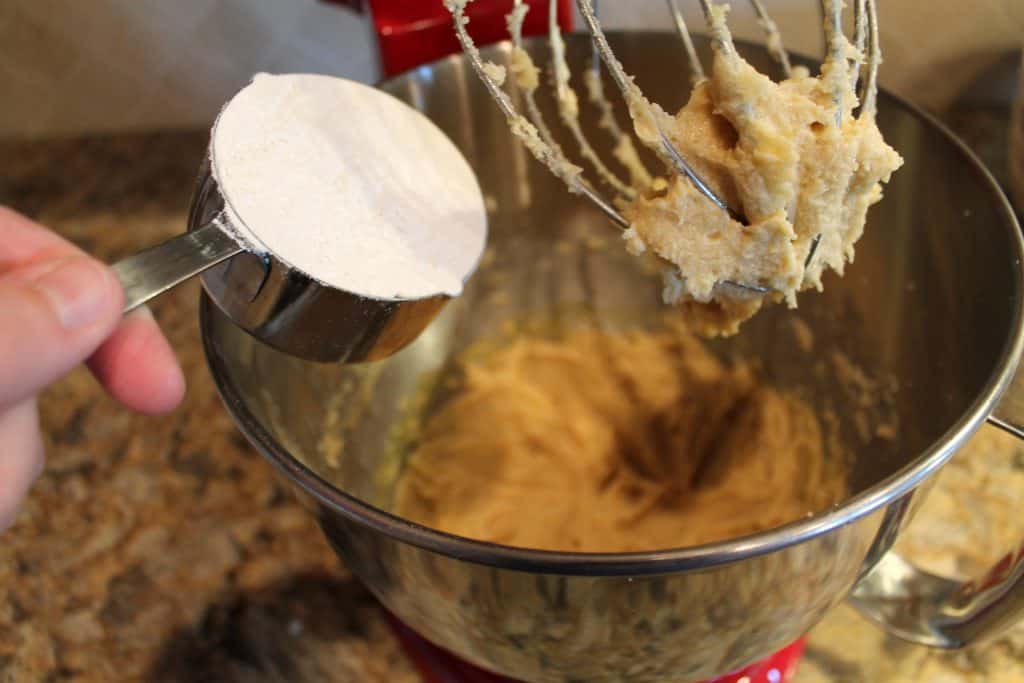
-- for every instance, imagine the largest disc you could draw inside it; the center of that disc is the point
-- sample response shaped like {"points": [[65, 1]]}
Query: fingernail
{"points": [[77, 290]]}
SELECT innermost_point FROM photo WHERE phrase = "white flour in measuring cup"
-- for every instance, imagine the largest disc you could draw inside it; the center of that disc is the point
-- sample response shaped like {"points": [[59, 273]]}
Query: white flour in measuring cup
{"points": [[348, 185]]}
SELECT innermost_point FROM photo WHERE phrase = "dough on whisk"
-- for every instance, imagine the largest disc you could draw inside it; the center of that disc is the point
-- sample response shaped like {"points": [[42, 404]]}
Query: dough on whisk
{"points": [[603, 442], [797, 160], [791, 157]]}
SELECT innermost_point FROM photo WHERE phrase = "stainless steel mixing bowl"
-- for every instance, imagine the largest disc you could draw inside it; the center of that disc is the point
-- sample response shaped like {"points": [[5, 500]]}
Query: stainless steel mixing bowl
{"points": [[932, 310]]}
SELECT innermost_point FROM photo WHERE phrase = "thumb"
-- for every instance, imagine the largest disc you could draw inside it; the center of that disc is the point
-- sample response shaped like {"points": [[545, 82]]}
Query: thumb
{"points": [[53, 315]]}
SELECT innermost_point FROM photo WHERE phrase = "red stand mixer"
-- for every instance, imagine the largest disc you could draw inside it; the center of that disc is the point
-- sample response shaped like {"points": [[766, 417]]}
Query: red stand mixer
{"points": [[410, 34]]}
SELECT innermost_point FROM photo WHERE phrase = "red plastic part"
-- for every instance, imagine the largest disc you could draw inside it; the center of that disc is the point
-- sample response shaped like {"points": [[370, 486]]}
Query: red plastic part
{"points": [[439, 666], [779, 668], [415, 32]]}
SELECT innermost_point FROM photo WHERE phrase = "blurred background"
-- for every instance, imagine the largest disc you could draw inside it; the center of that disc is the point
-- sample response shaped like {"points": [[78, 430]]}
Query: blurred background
{"points": [[70, 67]]}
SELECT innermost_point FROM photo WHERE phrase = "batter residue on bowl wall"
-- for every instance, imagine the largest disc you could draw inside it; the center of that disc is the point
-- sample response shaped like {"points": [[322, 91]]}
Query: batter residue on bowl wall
{"points": [[602, 442]]}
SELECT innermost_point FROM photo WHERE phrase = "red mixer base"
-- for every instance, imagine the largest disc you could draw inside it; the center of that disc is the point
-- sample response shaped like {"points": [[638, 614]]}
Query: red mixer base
{"points": [[439, 666]]}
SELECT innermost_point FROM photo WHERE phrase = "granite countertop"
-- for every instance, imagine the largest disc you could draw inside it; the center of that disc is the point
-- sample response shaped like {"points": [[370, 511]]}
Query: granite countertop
{"points": [[162, 549], [165, 549]]}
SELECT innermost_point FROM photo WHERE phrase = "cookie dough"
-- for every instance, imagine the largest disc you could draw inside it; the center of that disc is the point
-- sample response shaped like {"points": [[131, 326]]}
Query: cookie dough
{"points": [[602, 442], [791, 157]]}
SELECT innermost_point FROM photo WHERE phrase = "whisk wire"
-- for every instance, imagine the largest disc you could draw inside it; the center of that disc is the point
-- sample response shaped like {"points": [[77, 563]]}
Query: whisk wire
{"points": [[773, 37], [835, 42], [696, 68], [632, 95], [870, 90], [859, 65], [568, 105], [860, 36]]}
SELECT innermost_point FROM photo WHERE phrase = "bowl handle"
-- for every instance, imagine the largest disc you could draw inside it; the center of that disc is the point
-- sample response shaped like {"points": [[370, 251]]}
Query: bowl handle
{"points": [[933, 610]]}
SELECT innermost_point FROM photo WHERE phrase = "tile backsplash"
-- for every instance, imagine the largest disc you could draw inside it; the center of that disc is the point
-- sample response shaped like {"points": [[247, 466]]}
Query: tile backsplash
{"points": [[78, 66]]}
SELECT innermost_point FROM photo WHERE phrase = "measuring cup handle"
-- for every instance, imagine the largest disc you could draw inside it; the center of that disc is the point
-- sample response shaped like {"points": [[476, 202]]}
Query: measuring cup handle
{"points": [[153, 271], [934, 610]]}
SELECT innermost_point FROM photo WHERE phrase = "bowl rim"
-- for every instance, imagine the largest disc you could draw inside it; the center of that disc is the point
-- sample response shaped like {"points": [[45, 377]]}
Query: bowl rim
{"points": [[661, 561]]}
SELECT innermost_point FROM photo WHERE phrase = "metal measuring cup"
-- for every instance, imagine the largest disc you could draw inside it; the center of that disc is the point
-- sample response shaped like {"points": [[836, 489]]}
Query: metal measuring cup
{"points": [[276, 303]]}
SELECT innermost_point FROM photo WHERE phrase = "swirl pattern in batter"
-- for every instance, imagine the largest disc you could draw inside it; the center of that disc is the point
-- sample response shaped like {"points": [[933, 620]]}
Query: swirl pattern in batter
{"points": [[601, 442]]}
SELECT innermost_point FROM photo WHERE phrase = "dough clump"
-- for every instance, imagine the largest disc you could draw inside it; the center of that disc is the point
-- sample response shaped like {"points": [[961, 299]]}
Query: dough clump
{"points": [[601, 442], [790, 157]]}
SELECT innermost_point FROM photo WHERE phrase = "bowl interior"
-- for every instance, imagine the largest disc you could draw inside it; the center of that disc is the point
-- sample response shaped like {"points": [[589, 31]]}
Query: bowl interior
{"points": [[927, 312]]}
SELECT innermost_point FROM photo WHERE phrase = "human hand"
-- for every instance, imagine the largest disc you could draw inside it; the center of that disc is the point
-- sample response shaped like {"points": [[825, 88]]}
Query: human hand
{"points": [[58, 307]]}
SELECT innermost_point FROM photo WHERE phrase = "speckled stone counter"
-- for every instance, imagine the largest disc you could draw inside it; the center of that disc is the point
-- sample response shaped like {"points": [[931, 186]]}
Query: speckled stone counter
{"points": [[164, 549]]}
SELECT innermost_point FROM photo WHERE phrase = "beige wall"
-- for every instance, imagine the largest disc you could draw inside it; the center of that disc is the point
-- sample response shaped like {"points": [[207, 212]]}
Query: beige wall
{"points": [[932, 48], [68, 66], [71, 66]]}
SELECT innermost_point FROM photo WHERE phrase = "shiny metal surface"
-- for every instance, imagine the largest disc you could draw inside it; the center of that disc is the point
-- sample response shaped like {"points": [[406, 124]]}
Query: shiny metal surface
{"points": [[296, 314], [933, 610], [932, 308], [268, 298], [153, 271]]}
